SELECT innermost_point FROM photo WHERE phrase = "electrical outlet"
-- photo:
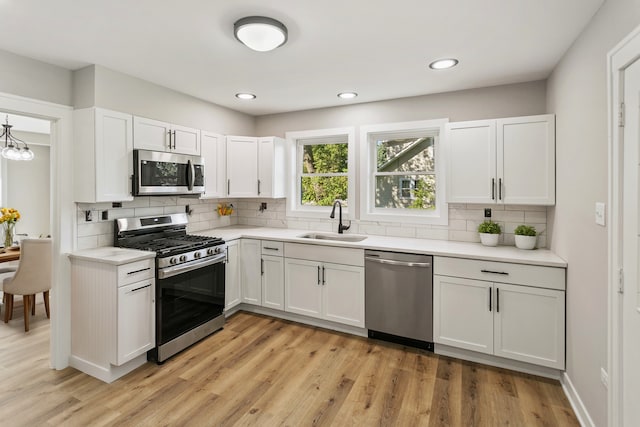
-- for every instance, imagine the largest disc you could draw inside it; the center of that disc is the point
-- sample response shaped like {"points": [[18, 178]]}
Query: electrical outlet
{"points": [[487, 212], [187, 210], [604, 377], [263, 206], [116, 204], [88, 216], [105, 215], [600, 213]]}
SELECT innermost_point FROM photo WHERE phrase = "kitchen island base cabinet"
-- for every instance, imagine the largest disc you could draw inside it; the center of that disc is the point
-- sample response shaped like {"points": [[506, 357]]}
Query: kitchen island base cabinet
{"points": [[514, 321]]}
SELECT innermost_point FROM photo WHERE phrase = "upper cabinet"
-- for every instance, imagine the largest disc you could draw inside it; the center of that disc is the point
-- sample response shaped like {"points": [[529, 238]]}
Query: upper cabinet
{"points": [[214, 153], [103, 142], [504, 161], [255, 167], [155, 135]]}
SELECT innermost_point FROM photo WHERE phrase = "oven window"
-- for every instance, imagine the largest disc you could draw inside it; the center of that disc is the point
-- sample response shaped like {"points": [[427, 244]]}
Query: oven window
{"points": [[163, 174], [188, 300]]}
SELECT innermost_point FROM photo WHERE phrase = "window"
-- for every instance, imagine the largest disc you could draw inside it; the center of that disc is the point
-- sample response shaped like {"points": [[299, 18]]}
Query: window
{"points": [[401, 172], [323, 171]]}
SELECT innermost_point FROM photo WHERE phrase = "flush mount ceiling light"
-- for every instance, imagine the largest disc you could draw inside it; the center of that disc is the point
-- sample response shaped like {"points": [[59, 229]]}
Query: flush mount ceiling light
{"points": [[260, 33], [245, 96], [443, 64], [347, 95], [12, 146]]}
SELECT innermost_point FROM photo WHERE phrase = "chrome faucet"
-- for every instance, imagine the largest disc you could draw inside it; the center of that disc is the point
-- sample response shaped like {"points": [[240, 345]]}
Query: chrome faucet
{"points": [[341, 227]]}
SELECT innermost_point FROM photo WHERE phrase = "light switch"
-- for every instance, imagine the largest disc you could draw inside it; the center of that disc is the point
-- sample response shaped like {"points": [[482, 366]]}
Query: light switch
{"points": [[600, 213]]}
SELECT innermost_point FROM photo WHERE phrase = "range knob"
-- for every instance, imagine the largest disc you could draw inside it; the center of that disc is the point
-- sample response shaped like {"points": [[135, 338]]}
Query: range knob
{"points": [[172, 260], [183, 258], [210, 251], [197, 255]]}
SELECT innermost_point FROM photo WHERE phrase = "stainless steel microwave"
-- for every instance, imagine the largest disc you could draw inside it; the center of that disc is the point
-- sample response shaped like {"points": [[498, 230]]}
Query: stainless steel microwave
{"points": [[156, 173]]}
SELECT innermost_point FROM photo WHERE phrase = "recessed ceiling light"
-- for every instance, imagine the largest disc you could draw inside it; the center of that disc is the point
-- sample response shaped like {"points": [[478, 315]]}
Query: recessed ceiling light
{"points": [[442, 64], [260, 33], [347, 95], [245, 96]]}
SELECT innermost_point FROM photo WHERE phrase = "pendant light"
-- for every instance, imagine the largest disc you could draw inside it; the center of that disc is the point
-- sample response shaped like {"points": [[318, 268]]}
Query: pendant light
{"points": [[14, 148], [260, 33]]}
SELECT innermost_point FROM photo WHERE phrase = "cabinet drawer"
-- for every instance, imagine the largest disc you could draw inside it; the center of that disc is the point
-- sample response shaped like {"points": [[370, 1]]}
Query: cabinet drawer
{"points": [[345, 256], [272, 247], [501, 272], [136, 271]]}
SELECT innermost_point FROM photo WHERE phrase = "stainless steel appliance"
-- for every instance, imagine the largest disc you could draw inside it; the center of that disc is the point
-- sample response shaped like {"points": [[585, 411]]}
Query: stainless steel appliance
{"points": [[157, 173], [190, 279], [399, 297]]}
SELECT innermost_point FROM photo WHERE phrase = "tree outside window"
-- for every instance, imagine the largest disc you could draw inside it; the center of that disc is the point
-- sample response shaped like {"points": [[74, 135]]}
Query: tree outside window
{"points": [[324, 174]]}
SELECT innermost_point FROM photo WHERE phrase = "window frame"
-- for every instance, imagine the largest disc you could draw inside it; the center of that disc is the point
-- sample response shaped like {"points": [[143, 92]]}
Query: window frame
{"points": [[368, 169], [295, 143]]}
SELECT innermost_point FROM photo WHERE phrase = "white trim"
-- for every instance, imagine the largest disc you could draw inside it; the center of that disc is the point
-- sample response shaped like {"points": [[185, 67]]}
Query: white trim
{"points": [[294, 209], [63, 215], [107, 374], [367, 162], [576, 403], [621, 56]]}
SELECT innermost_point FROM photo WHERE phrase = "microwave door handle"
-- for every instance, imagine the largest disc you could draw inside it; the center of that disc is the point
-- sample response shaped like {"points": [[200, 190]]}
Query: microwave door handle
{"points": [[190, 175]]}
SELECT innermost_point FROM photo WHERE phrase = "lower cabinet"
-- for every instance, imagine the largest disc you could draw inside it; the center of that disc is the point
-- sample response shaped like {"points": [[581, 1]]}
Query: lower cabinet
{"points": [[325, 290], [510, 320], [250, 272], [272, 272], [232, 275], [136, 320]]}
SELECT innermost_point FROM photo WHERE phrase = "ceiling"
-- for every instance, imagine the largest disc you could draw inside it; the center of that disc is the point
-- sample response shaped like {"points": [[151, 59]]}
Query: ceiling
{"points": [[380, 52]]}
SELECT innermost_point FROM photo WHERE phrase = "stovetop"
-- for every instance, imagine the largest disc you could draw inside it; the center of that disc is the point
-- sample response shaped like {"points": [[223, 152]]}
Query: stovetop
{"points": [[175, 244]]}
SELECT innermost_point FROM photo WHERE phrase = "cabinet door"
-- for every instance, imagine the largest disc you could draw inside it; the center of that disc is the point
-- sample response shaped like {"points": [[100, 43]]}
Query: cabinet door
{"points": [[149, 134], [251, 280], [214, 152], [463, 313], [232, 276], [273, 282], [471, 164], [526, 160], [265, 167], [343, 294], [242, 166], [136, 320], [114, 147], [185, 140], [529, 325], [302, 286]]}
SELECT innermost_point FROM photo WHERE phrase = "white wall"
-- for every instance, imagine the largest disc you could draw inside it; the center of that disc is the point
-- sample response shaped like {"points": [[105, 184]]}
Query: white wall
{"points": [[577, 93], [27, 77]]}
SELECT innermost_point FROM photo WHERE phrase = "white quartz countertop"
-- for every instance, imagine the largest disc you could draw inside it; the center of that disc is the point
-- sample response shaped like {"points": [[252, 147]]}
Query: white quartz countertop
{"points": [[543, 257], [111, 255]]}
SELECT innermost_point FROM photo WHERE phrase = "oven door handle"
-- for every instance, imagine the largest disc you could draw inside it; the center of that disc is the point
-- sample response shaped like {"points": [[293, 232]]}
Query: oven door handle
{"points": [[184, 268]]}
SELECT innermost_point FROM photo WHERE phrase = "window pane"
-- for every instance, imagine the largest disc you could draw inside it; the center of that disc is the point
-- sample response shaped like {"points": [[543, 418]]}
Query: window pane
{"points": [[406, 191], [325, 158], [405, 155], [323, 190]]}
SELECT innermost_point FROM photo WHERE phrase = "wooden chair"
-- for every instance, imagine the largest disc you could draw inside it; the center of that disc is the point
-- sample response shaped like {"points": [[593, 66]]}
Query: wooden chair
{"points": [[32, 276]]}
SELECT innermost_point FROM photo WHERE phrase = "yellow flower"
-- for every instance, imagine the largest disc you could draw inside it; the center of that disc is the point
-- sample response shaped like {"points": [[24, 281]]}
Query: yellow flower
{"points": [[10, 215]]}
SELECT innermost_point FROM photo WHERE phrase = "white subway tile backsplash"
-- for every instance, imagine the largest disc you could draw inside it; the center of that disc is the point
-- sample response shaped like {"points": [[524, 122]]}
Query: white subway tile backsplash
{"points": [[401, 231], [535, 216], [426, 233], [156, 210], [510, 216]]}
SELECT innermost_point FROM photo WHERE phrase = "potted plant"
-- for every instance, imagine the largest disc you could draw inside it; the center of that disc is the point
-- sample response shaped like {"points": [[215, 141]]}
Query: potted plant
{"points": [[489, 233], [525, 236]]}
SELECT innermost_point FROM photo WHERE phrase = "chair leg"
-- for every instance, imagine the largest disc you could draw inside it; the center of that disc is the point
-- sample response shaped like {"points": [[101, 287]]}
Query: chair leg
{"points": [[26, 301], [33, 304], [9, 307], [46, 303]]}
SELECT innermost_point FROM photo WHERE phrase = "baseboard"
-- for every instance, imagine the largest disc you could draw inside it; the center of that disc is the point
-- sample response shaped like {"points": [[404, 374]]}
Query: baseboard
{"points": [[576, 403], [106, 374]]}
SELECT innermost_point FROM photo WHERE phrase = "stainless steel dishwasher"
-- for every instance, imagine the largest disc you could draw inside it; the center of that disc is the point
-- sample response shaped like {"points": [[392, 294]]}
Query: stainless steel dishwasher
{"points": [[399, 297]]}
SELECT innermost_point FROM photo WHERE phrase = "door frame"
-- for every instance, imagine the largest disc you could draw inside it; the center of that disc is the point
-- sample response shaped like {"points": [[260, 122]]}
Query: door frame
{"points": [[63, 218], [618, 59]]}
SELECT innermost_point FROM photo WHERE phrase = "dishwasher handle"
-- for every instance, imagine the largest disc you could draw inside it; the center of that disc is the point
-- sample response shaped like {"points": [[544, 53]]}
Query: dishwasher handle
{"points": [[401, 263]]}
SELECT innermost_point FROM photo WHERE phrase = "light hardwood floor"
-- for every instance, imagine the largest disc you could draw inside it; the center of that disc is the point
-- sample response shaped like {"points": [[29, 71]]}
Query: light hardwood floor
{"points": [[263, 371]]}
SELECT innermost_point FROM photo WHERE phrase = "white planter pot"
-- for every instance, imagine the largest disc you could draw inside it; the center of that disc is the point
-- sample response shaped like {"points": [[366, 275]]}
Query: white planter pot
{"points": [[489, 239], [526, 242]]}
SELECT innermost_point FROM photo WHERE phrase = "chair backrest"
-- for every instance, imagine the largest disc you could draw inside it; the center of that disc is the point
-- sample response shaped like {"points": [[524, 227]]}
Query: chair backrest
{"points": [[34, 269]]}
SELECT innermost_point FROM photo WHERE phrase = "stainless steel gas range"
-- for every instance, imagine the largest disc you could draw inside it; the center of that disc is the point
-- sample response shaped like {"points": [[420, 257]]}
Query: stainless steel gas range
{"points": [[190, 279]]}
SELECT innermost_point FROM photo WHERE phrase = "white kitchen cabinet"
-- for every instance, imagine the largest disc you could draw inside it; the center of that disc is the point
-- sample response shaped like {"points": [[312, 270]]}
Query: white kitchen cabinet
{"points": [[272, 270], [112, 313], [103, 159], [317, 284], [504, 161], [250, 271], [156, 135], [214, 153], [255, 167], [232, 293], [516, 320]]}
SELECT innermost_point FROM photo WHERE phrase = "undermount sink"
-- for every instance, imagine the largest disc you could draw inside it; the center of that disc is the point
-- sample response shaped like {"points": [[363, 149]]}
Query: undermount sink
{"points": [[335, 237]]}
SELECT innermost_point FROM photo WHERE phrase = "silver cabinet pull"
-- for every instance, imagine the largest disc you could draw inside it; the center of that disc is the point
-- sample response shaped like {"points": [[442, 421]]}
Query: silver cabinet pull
{"points": [[228, 187], [169, 139], [258, 186]]}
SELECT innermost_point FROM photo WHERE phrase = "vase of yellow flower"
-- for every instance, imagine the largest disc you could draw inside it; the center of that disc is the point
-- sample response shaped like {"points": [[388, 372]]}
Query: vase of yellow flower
{"points": [[8, 220]]}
